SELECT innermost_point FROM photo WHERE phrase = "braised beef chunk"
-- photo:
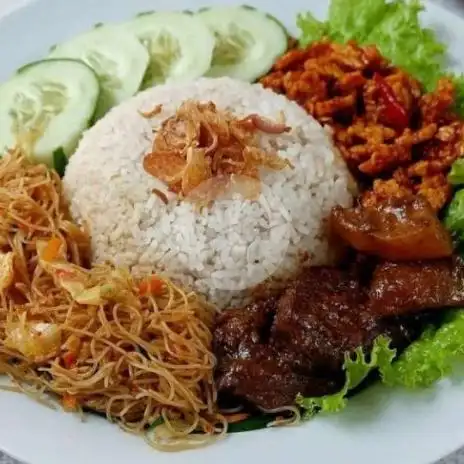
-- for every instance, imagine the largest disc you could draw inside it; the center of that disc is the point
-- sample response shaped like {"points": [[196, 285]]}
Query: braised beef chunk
{"points": [[261, 381], [322, 315], [274, 349], [398, 229], [249, 367], [400, 288], [255, 369], [241, 330], [266, 379]]}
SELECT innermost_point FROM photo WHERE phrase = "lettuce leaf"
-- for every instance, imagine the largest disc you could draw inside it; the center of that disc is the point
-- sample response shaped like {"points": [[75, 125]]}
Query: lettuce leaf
{"points": [[401, 38], [429, 359], [311, 29], [356, 367], [60, 161], [255, 422], [349, 19], [459, 100], [454, 218], [456, 175], [395, 28]]}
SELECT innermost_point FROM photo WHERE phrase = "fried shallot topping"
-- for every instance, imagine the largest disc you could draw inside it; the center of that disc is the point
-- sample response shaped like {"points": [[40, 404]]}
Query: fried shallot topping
{"points": [[201, 153]]}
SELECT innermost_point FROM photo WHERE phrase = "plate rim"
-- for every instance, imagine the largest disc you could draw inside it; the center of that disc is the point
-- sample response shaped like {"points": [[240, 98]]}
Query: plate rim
{"points": [[16, 11]]}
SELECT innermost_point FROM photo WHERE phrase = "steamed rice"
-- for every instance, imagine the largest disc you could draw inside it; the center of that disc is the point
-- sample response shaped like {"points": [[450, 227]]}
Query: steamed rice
{"points": [[236, 244]]}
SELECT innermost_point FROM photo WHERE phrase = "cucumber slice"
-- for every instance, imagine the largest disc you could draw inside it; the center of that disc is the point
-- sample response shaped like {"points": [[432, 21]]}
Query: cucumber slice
{"points": [[179, 44], [116, 56], [248, 41], [46, 106]]}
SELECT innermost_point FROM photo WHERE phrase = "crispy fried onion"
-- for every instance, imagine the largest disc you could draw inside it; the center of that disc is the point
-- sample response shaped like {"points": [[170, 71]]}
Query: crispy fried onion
{"points": [[202, 153], [152, 113]]}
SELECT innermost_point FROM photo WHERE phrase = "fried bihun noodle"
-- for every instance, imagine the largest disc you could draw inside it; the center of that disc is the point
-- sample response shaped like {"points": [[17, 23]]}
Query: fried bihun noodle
{"points": [[137, 350]]}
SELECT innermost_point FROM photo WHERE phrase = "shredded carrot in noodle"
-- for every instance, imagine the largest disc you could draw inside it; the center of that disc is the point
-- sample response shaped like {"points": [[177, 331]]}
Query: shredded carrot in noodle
{"points": [[234, 418], [52, 250]]}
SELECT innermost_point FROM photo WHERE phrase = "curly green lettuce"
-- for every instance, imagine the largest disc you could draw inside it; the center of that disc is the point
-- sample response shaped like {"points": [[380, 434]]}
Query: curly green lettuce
{"points": [[357, 366], [454, 217], [459, 100], [311, 29], [456, 175], [431, 358], [348, 19], [356, 18], [395, 28]]}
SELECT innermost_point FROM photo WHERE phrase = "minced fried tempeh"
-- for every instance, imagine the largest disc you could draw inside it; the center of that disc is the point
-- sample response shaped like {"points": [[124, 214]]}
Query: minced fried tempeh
{"points": [[392, 134]]}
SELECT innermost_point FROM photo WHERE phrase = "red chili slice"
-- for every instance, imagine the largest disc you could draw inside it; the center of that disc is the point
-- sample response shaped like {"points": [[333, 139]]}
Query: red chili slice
{"points": [[394, 112]]}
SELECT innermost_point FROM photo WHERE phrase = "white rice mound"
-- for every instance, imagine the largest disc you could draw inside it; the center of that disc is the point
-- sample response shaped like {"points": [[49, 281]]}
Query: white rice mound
{"points": [[236, 244]]}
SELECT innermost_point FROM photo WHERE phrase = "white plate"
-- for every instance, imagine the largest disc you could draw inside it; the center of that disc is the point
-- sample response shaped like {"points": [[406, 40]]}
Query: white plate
{"points": [[380, 426]]}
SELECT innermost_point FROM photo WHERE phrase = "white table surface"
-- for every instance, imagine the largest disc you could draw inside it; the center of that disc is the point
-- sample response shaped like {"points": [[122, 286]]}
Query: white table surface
{"points": [[7, 6]]}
